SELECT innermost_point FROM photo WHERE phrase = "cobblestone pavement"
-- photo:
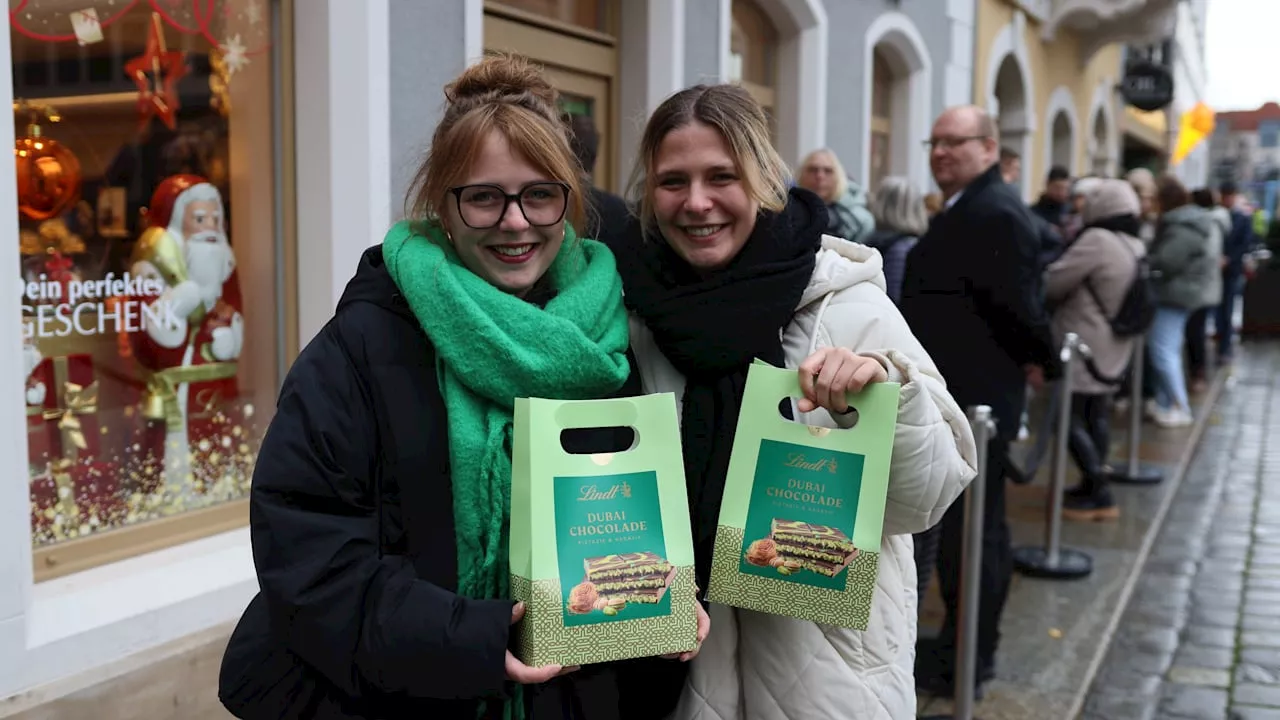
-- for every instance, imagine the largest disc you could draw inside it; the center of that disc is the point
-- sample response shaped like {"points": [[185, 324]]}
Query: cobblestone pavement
{"points": [[1054, 632], [1201, 636]]}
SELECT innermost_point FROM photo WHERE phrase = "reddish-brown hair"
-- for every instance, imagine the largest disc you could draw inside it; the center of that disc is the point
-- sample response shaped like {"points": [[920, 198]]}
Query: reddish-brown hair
{"points": [[1171, 193], [503, 93]]}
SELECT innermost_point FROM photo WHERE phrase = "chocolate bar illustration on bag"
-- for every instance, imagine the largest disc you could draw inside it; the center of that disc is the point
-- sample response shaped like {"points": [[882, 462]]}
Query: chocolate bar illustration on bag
{"points": [[818, 548], [613, 581]]}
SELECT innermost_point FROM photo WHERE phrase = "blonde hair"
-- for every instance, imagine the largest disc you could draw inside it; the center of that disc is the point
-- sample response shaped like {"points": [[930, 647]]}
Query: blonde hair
{"points": [[1143, 182], [740, 121], [899, 207], [842, 178], [507, 94]]}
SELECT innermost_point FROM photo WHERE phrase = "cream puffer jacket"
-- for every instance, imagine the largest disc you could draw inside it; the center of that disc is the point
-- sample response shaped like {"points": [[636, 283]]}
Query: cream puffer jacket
{"points": [[755, 666]]}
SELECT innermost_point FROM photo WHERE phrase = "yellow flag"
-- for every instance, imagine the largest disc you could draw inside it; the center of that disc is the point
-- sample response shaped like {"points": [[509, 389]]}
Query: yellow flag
{"points": [[1196, 125]]}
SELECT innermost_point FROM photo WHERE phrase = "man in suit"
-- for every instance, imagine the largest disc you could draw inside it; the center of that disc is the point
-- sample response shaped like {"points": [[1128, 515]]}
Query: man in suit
{"points": [[972, 296]]}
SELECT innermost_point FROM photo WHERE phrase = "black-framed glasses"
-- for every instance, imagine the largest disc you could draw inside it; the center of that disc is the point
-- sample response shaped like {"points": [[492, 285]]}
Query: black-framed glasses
{"points": [[483, 206], [951, 143]]}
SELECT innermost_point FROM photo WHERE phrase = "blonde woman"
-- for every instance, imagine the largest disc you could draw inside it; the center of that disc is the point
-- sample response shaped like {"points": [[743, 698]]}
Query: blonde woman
{"points": [[725, 265], [847, 214], [899, 210]]}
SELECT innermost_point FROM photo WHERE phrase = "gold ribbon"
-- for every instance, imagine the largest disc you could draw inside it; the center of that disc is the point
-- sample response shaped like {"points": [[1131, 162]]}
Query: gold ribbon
{"points": [[73, 401], [161, 401], [51, 235]]}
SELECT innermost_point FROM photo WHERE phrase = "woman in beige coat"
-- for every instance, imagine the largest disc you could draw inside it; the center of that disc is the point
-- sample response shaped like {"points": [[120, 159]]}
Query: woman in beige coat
{"points": [[1086, 286]]}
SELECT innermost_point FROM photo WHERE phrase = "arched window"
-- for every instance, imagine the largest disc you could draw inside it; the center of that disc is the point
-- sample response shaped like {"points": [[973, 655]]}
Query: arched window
{"points": [[1011, 102], [1062, 146], [753, 54]]}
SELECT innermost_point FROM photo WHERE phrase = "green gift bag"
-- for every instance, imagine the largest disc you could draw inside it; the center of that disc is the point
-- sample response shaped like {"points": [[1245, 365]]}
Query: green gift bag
{"points": [[800, 523], [601, 549]]}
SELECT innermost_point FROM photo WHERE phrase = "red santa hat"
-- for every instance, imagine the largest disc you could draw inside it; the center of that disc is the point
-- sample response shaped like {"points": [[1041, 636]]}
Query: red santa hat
{"points": [[171, 197]]}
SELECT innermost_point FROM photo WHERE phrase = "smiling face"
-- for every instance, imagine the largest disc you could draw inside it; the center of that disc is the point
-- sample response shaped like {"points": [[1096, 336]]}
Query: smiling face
{"points": [[701, 205], [513, 254]]}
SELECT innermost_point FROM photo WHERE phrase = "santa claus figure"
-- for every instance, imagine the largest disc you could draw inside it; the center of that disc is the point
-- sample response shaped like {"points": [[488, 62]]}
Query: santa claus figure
{"points": [[189, 358]]}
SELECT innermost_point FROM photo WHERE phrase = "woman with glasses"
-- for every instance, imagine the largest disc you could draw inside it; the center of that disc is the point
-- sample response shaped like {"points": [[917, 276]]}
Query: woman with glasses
{"points": [[381, 496], [725, 266]]}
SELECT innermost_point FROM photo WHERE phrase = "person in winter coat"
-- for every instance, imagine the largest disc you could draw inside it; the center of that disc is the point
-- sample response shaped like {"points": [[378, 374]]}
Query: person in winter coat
{"points": [[379, 510], [1240, 239], [1087, 286], [900, 221], [1053, 205], [972, 294], [847, 213], [1074, 220], [1144, 183], [1195, 335], [1185, 259], [724, 266]]}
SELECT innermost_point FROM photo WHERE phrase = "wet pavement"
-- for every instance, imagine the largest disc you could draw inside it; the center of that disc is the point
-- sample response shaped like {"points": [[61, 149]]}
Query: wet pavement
{"points": [[1201, 638], [1055, 634]]}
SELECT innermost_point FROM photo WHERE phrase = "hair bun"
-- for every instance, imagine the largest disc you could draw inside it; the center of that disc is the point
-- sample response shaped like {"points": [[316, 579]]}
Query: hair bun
{"points": [[501, 77]]}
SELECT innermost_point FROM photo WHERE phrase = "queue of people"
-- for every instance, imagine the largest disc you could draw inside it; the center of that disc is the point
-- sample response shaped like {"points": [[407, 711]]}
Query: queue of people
{"points": [[381, 499]]}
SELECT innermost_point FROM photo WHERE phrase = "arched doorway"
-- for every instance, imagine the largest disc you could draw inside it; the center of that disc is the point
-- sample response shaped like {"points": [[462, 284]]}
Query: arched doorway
{"points": [[1012, 113], [899, 80], [753, 56], [1062, 142]]}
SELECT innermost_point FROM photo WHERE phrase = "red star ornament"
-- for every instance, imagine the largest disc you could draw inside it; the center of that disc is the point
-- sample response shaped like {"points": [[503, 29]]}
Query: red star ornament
{"points": [[156, 72]]}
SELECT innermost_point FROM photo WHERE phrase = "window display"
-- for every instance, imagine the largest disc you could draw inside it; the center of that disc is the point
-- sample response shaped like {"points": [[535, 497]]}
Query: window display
{"points": [[146, 196]]}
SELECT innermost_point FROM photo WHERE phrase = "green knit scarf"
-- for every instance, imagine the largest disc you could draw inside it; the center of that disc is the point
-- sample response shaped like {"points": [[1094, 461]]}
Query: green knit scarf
{"points": [[493, 347]]}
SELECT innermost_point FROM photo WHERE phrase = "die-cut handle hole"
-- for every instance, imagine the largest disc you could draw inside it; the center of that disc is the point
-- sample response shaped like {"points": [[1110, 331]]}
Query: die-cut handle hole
{"points": [[787, 411], [601, 443]]}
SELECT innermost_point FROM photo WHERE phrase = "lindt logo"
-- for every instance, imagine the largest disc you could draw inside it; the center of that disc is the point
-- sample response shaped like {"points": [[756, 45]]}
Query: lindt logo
{"points": [[592, 492], [798, 460]]}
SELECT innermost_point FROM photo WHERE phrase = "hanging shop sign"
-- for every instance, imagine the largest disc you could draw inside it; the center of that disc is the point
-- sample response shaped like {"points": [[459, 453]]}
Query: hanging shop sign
{"points": [[1147, 86]]}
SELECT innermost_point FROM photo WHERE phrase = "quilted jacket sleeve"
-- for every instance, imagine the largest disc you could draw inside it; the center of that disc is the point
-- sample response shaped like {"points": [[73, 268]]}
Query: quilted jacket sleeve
{"points": [[934, 456]]}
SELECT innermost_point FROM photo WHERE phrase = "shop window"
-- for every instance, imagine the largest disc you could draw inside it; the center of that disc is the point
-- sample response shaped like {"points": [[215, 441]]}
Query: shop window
{"points": [[753, 53], [588, 14], [882, 80], [147, 212]]}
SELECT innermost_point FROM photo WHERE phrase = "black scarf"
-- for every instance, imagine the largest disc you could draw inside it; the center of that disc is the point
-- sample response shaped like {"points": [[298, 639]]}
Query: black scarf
{"points": [[712, 327], [1127, 224]]}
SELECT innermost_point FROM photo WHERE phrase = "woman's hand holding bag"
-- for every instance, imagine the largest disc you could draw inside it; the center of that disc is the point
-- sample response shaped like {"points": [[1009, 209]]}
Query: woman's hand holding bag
{"points": [[830, 374]]}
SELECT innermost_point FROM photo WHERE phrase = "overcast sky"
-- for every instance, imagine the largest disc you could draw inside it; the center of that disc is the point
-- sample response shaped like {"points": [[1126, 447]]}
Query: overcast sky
{"points": [[1242, 52]]}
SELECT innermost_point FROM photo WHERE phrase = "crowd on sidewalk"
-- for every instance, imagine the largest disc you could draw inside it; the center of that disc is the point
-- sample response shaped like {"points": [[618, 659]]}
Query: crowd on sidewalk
{"points": [[381, 498]]}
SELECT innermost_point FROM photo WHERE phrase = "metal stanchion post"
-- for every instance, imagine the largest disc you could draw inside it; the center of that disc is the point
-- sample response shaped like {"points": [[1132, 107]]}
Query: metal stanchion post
{"points": [[1136, 473], [971, 571], [1054, 561]]}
